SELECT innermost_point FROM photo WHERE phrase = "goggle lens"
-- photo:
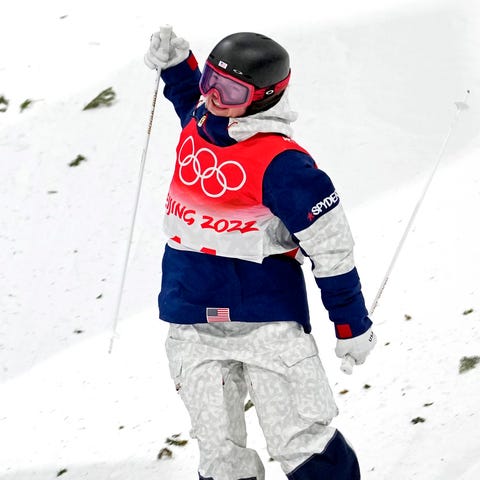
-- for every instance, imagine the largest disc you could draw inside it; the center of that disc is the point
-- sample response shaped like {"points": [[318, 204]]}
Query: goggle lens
{"points": [[232, 92]]}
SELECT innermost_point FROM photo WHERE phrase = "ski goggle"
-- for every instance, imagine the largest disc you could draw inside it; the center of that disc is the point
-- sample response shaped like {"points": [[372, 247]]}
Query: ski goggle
{"points": [[233, 92]]}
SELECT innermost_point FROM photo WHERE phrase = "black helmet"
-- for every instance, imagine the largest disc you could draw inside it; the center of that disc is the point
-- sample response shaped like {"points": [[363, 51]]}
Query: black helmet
{"points": [[257, 60]]}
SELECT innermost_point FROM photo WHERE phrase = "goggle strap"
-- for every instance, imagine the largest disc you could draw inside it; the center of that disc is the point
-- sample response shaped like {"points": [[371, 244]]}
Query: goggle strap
{"points": [[261, 93]]}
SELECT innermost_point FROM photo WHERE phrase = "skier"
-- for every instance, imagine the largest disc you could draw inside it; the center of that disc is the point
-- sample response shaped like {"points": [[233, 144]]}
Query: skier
{"points": [[245, 206]]}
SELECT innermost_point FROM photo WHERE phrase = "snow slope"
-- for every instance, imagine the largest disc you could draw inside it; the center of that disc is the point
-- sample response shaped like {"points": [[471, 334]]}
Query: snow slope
{"points": [[381, 87]]}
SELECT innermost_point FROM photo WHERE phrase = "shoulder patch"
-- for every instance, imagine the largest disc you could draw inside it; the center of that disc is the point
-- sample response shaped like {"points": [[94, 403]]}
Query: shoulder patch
{"points": [[323, 206]]}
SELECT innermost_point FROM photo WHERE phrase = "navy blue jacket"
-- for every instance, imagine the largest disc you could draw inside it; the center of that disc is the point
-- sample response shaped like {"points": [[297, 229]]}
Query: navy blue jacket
{"points": [[295, 190]]}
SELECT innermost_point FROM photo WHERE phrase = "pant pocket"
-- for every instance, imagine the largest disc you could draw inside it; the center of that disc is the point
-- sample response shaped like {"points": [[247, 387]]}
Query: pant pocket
{"points": [[310, 388], [175, 361]]}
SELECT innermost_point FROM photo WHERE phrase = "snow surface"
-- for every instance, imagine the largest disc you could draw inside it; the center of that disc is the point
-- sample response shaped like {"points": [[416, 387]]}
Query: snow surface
{"points": [[380, 87]]}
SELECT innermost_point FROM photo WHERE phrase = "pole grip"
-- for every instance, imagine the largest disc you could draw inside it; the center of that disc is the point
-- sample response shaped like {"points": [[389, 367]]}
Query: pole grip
{"points": [[347, 364], [165, 37]]}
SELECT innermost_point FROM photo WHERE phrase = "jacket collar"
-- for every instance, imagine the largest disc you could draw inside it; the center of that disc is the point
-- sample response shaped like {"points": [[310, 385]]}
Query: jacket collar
{"points": [[274, 120]]}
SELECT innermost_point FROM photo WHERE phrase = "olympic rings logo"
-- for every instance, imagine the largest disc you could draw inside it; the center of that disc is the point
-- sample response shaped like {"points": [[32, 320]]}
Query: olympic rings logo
{"points": [[202, 166]]}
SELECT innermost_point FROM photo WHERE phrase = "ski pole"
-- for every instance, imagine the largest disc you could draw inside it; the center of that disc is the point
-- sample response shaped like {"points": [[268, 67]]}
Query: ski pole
{"points": [[348, 361], [165, 33]]}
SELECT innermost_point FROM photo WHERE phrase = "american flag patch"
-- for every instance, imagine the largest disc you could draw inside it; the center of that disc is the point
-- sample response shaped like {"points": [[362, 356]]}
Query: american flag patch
{"points": [[218, 315]]}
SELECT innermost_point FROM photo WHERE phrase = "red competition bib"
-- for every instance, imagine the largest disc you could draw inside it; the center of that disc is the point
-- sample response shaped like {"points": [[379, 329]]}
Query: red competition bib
{"points": [[214, 204]]}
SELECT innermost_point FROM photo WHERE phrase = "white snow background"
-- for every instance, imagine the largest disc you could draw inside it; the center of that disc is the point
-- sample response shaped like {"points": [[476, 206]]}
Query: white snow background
{"points": [[380, 86]]}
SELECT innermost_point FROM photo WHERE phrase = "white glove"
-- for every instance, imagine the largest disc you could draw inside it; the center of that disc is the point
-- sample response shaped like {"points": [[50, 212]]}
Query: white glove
{"points": [[354, 350], [166, 49]]}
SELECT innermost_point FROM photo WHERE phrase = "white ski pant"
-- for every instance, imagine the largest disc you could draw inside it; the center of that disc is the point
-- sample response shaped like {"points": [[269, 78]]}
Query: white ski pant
{"points": [[215, 365]]}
